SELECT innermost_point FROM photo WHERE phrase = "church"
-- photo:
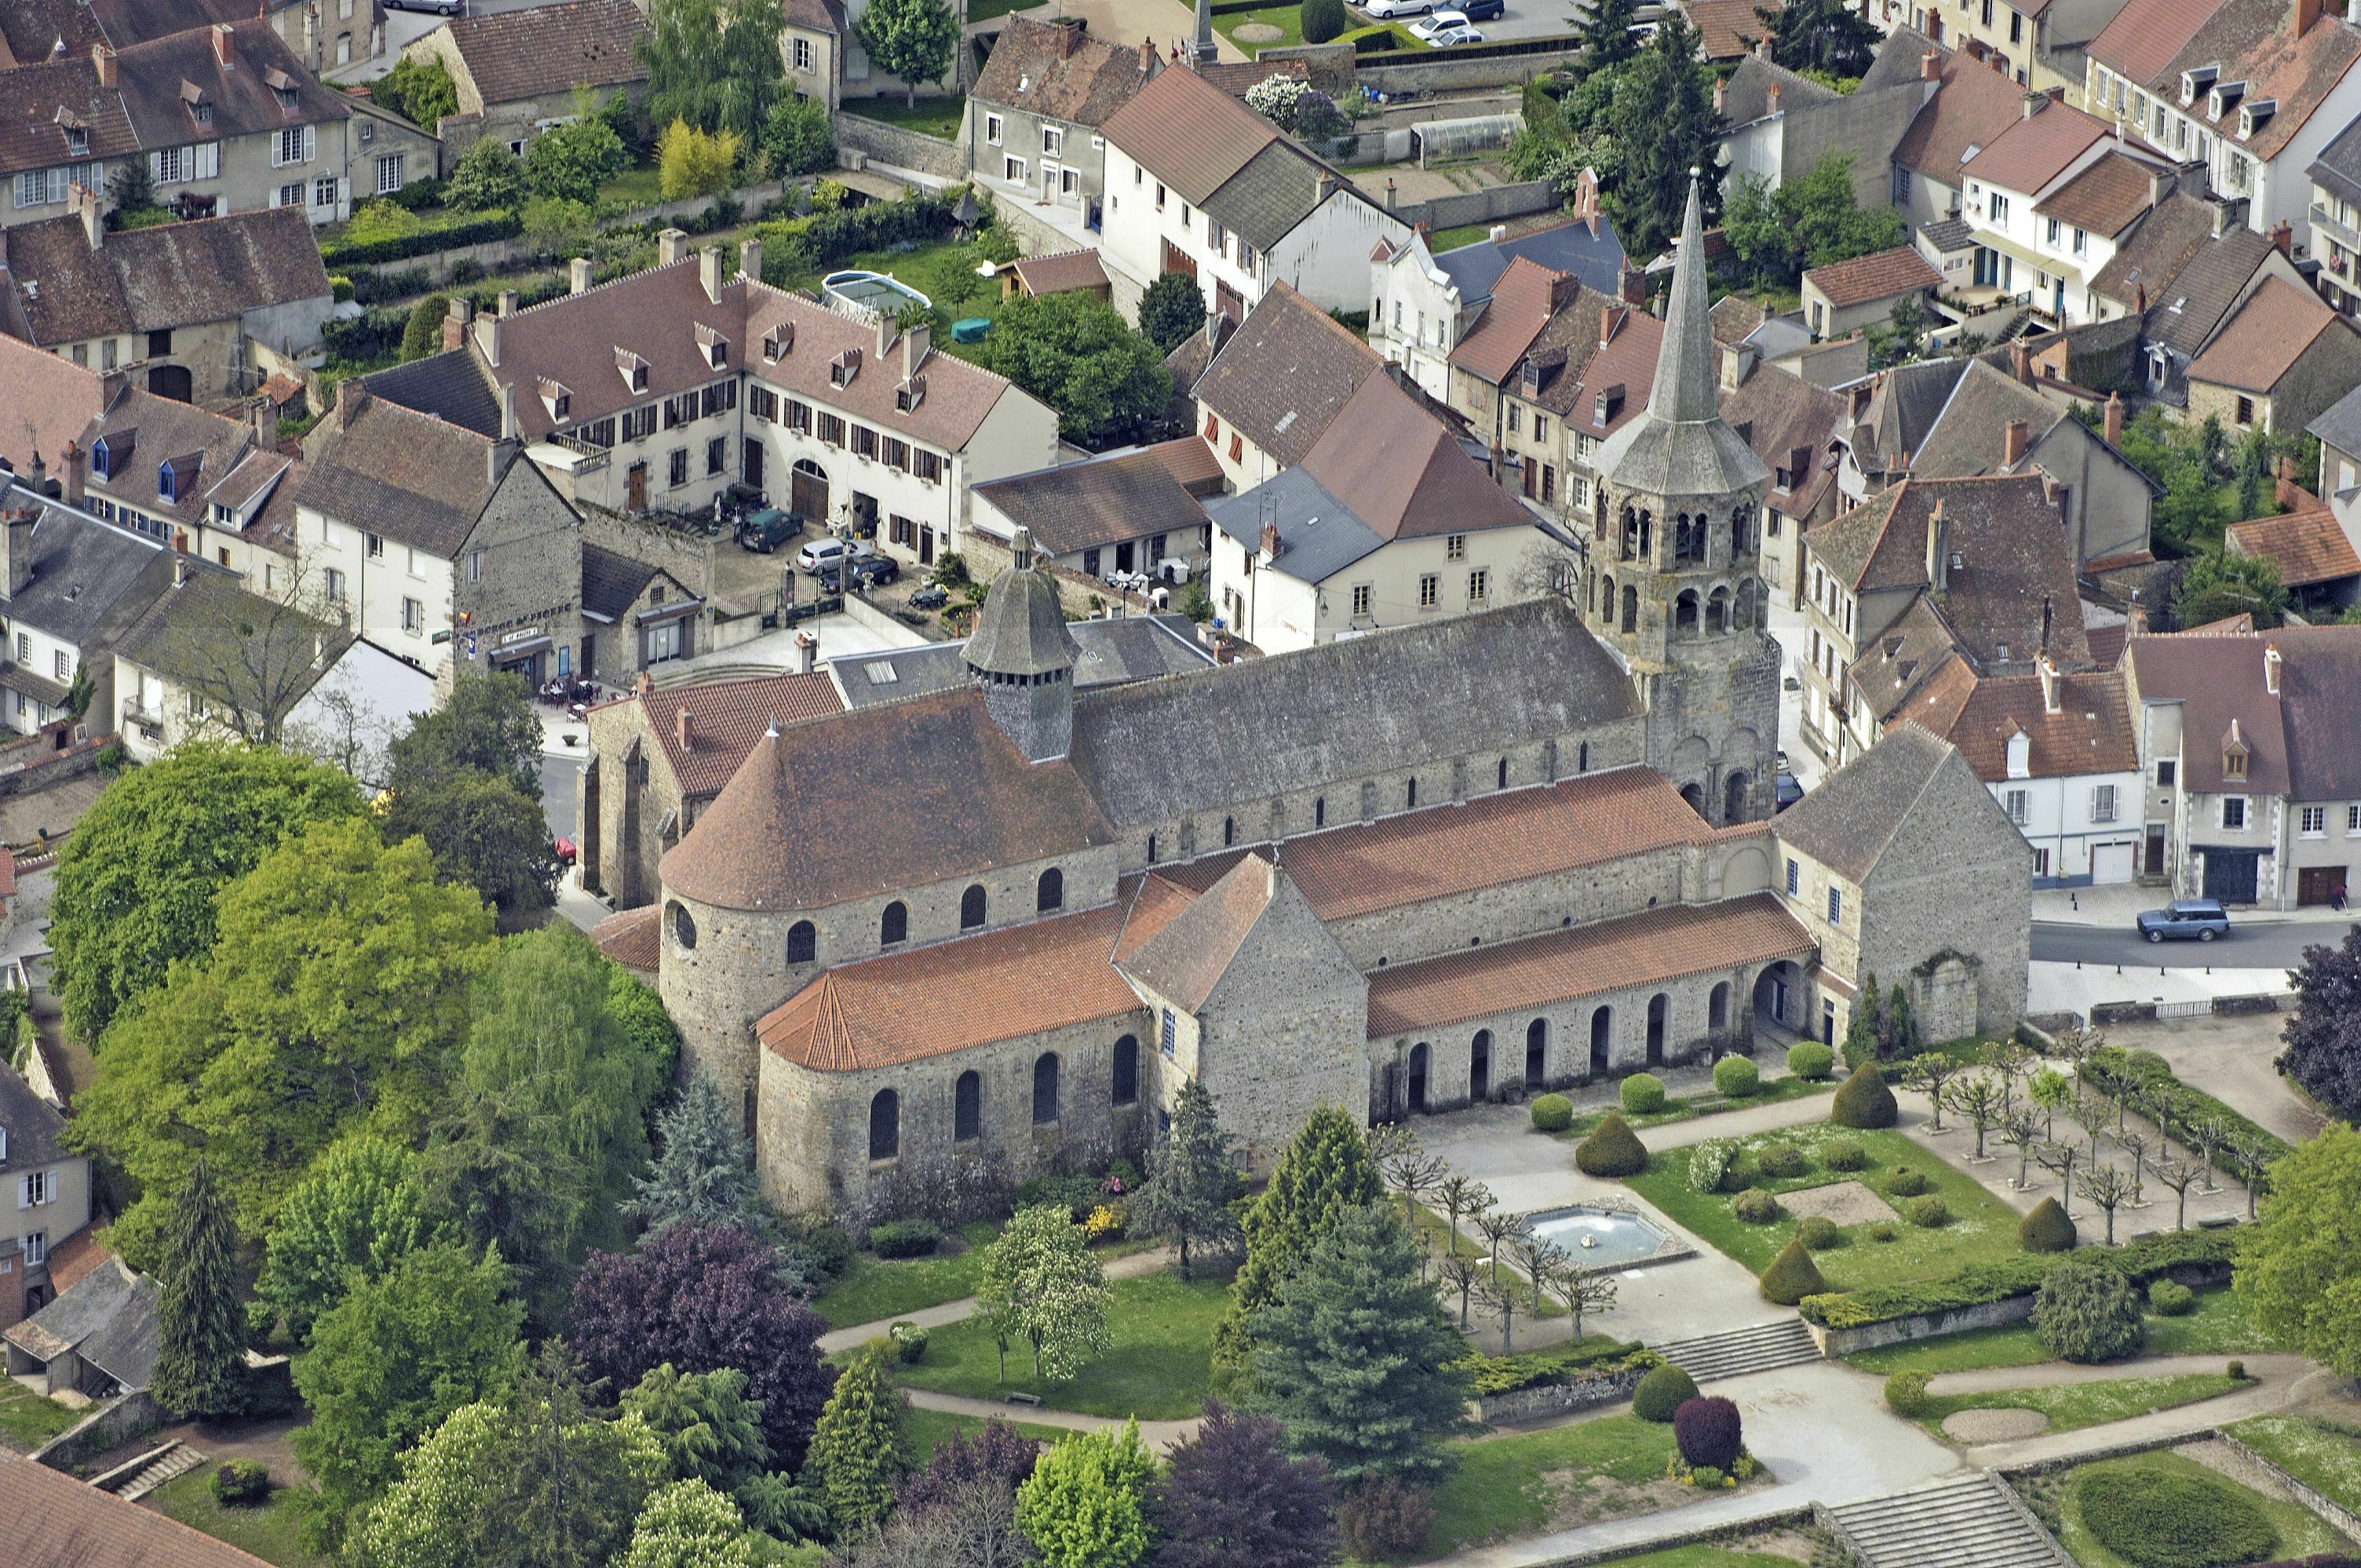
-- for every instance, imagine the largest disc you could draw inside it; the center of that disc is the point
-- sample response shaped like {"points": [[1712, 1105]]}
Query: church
{"points": [[939, 944]]}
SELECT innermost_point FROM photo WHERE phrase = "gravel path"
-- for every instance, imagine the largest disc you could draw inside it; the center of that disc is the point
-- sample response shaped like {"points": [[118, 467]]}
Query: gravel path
{"points": [[2059, 1375], [1128, 1267]]}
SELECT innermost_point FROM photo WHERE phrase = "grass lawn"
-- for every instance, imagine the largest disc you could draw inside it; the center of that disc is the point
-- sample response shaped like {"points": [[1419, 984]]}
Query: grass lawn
{"points": [[29, 1420], [943, 271], [1287, 19], [934, 116], [271, 1530], [929, 1430], [1705, 1557], [874, 1289], [635, 187], [2073, 1405], [1498, 1489], [2221, 1325], [1773, 1093], [2323, 1455], [1157, 1366], [1983, 1228], [2302, 1533], [985, 10], [1442, 240]]}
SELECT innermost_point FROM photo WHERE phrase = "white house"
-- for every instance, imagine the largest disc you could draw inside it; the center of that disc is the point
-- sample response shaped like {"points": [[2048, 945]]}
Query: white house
{"points": [[2048, 200]]}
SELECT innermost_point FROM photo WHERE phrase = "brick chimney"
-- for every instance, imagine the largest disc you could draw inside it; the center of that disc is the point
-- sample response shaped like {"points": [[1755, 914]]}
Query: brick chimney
{"points": [[1930, 66], [2013, 438], [2020, 360], [577, 275], [351, 398], [1609, 318], [686, 729], [1632, 285], [225, 46], [1270, 541], [455, 321], [1859, 393], [1720, 95], [643, 682], [1564, 286], [2113, 423], [2307, 13], [77, 468], [2282, 233], [102, 60]]}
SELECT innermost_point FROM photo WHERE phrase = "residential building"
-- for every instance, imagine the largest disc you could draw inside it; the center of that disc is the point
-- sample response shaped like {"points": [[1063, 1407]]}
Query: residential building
{"points": [[56, 1520], [1516, 379], [2037, 44], [2333, 219], [196, 311], [1783, 342], [1108, 516], [2339, 482], [2152, 254], [1035, 114], [635, 617], [2047, 198], [2187, 309], [1886, 422], [1791, 426], [50, 1186], [75, 584], [2282, 359], [814, 40], [1197, 182], [1062, 272], [1972, 107], [2307, 545], [2253, 776], [1846, 297], [517, 72], [96, 1339], [1780, 123], [328, 37], [1274, 384]]}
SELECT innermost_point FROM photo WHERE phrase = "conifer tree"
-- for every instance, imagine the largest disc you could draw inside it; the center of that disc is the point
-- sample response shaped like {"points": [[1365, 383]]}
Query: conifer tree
{"points": [[1192, 1176], [1821, 35], [858, 1450], [1864, 1033], [700, 1172], [200, 1326], [1609, 40], [1325, 1171], [1664, 117]]}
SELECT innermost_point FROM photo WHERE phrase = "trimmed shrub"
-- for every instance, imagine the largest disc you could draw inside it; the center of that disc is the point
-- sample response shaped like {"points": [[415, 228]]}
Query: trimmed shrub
{"points": [[905, 1238], [1735, 1078], [1663, 1392], [1709, 1165], [1552, 1113], [1863, 1101], [2142, 1260], [2087, 1310], [1906, 1394], [2159, 1519], [1819, 1232], [2045, 1228], [241, 1482], [1612, 1149], [1781, 1162], [1708, 1434], [2236, 1369], [909, 1341], [1755, 1206], [2170, 1299], [1885, 1231], [1844, 1154], [1792, 1276], [1321, 20], [1928, 1214], [1384, 1519], [1907, 1181], [1644, 1093], [1810, 1060]]}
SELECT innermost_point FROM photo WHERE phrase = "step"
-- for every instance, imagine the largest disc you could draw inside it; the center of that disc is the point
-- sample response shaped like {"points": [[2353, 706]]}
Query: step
{"points": [[1972, 1522], [1735, 1352], [134, 1481]]}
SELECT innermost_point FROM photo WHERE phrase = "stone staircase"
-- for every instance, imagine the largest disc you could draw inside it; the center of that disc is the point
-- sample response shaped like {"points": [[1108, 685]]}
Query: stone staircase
{"points": [[134, 1479], [1971, 1522], [1735, 1352]]}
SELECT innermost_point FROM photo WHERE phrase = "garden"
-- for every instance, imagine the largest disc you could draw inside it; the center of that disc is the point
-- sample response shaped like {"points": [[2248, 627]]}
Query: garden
{"points": [[2173, 1509], [2325, 1456], [2219, 1322]]}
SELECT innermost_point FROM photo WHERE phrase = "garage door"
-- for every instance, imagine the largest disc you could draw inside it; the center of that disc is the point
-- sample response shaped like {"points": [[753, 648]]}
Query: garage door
{"points": [[2230, 874], [2112, 862]]}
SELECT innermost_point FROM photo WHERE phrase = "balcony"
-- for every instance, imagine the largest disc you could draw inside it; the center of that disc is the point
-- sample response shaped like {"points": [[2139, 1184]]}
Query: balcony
{"points": [[148, 721], [588, 459], [2325, 222]]}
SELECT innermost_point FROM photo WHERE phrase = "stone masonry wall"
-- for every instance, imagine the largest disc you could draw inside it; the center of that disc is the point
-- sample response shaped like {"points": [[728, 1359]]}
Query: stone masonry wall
{"points": [[1505, 913], [875, 141], [1956, 877], [530, 576]]}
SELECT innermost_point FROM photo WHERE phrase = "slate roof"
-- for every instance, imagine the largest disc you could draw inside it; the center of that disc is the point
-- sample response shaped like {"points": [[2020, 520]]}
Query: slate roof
{"points": [[1973, 105], [1285, 373], [1849, 821], [2338, 167], [2274, 328], [1948, 236], [2184, 315], [1904, 404], [150, 279], [612, 582], [108, 1319], [2321, 672], [32, 1124], [2089, 733], [2106, 198], [1318, 536], [1061, 72], [2339, 427], [1107, 652], [1881, 274], [1588, 248], [726, 720], [1642, 950], [1746, 96], [90, 579], [408, 476], [545, 49], [1966, 437], [1097, 503], [53, 1520], [186, 634], [1058, 274], [2307, 545], [2155, 252], [452, 385]]}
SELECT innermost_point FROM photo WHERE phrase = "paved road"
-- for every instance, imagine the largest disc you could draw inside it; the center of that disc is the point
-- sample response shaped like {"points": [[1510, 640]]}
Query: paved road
{"points": [[2252, 945], [557, 798]]}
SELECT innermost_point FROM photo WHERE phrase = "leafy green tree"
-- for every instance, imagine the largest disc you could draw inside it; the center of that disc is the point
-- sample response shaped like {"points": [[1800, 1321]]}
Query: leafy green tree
{"points": [[1321, 20], [420, 91], [797, 138], [357, 1211], [700, 1172], [2324, 1035], [1193, 1177], [486, 726], [689, 1525], [1085, 1505], [131, 187], [570, 161], [860, 1448], [387, 1363], [329, 1005], [691, 162], [1172, 309], [570, 1485], [910, 41], [488, 178], [2301, 1267], [1662, 117], [2216, 585], [557, 226], [709, 1429], [1353, 1358], [1040, 1286], [1606, 39], [1106, 382], [465, 777], [1821, 35], [428, 1518], [714, 64], [1323, 1173], [2087, 1310], [199, 1327], [1811, 221], [137, 881], [422, 336]]}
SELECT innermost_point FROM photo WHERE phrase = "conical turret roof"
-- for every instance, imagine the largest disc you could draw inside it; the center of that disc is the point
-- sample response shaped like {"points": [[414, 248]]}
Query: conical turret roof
{"points": [[1021, 630]]}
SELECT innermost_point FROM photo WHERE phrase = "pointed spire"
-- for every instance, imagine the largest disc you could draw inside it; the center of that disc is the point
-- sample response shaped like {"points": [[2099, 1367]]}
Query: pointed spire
{"points": [[1202, 51], [1685, 380]]}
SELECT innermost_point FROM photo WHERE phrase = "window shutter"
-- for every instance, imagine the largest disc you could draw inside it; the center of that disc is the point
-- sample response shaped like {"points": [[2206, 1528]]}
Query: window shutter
{"points": [[209, 160], [24, 1192], [311, 141], [156, 168]]}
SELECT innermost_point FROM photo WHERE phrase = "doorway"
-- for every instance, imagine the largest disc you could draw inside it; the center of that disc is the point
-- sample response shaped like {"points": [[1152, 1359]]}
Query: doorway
{"points": [[2231, 874], [2319, 885], [1418, 1057], [1479, 1066], [926, 544], [808, 492], [635, 488], [172, 381], [1602, 1027], [751, 462], [1536, 1052], [1659, 1007], [2152, 862]]}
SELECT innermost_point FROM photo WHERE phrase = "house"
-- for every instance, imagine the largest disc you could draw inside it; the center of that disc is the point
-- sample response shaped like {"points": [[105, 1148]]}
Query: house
{"points": [[2335, 218], [57, 1521], [196, 311], [2187, 307], [2037, 44], [1783, 342], [2338, 484], [517, 72], [1197, 182], [2281, 360], [1062, 272], [51, 1189], [635, 616], [1887, 418], [1516, 377], [1117, 514], [1036, 110], [1781, 123], [1791, 426], [657, 391], [1972, 107], [2253, 89], [2151, 255], [2308, 546], [97, 1338], [326, 36], [2252, 774], [814, 37], [1728, 30], [1274, 384], [1846, 297], [75, 584]]}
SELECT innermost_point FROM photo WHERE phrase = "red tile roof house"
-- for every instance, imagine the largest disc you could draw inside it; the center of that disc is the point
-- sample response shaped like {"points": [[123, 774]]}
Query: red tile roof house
{"points": [[517, 72], [52, 1521], [2280, 362], [1866, 290]]}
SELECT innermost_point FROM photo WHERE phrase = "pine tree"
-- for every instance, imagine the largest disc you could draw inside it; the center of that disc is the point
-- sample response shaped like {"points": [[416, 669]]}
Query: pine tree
{"points": [[1609, 40], [200, 1326], [1900, 1036], [1864, 1035], [1821, 35], [700, 1172], [565, 1485], [858, 1450], [1325, 1171], [1663, 116], [1192, 1178]]}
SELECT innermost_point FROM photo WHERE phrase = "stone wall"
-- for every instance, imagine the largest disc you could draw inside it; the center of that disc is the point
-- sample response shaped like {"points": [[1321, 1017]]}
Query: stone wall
{"points": [[110, 1425], [1835, 1342], [1513, 910], [1495, 204], [2310, 1497], [876, 142], [520, 572], [1034, 237], [687, 554], [51, 755], [1436, 75], [1550, 1399]]}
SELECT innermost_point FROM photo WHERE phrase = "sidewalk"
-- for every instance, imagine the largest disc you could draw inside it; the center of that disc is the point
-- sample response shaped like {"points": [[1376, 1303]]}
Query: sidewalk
{"points": [[2119, 904], [2285, 1383], [1131, 1265], [2075, 988]]}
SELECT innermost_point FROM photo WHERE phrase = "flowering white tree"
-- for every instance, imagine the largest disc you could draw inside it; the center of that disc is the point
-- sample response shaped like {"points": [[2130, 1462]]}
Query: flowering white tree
{"points": [[1040, 1285], [1295, 106]]}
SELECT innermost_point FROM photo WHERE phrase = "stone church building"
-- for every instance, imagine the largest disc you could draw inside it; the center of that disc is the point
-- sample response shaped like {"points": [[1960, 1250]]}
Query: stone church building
{"points": [[990, 931]]}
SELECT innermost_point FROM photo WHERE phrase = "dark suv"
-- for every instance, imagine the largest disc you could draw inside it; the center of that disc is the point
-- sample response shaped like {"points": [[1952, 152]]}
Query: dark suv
{"points": [[2203, 918]]}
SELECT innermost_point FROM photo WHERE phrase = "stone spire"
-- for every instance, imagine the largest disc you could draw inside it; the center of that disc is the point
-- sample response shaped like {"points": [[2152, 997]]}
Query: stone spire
{"points": [[1203, 52], [1684, 385]]}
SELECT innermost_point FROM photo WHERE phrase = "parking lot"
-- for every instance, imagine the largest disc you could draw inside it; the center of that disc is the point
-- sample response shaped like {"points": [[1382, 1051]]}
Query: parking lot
{"points": [[1524, 20]]}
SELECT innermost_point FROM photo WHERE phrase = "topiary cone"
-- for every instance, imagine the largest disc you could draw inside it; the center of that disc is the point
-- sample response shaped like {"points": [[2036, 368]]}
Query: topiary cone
{"points": [[2045, 1228], [1863, 1101], [1793, 1275], [1613, 1149]]}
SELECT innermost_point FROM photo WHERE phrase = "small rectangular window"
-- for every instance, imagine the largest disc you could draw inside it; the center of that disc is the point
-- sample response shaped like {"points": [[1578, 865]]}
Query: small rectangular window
{"points": [[1430, 591], [2164, 772], [2234, 814], [1793, 877], [1835, 905], [1166, 1030], [1361, 594]]}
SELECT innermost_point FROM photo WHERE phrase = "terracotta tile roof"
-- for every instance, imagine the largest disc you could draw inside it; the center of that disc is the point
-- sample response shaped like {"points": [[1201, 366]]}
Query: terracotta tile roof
{"points": [[1023, 980], [1103, 501], [153, 280], [2106, 198], [1490, 841], [545, 49], [1398, 469], [1064, 271], [2218, 679], [72, 1259], [1973, 106], [1285, 373], [1186, 959], [2107, 643], [1521, 304], [2253, 42], [2090, 733], [725, 720], [1881, 274], [1061, 72], [1609, 955], [1235, 76], [2306, 545], [1627, 361], [631, 938], [46, 400], [53, 1520], [1193, 463], [2147, 34], [1188, 132], [1727, 28], [2037, 150], [2274, 328]]}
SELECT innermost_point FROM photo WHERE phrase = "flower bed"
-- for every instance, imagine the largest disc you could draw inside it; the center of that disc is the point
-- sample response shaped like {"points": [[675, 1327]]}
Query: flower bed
{"points": [[2198, 1255]]}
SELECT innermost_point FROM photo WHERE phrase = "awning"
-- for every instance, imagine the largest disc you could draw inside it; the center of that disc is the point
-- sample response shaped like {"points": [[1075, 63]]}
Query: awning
{"points": [[516, 653], [668, 612]]}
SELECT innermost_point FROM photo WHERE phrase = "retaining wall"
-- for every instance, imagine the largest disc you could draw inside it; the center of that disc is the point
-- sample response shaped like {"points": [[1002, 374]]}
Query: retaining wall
{"points": [[111, 1424], [2146, 1012], [1926, 1325], [1550, 1399], [49, 756], [877, 141], [1034, 237], [1445, 75], [1494, 204], [2310, 1497]]}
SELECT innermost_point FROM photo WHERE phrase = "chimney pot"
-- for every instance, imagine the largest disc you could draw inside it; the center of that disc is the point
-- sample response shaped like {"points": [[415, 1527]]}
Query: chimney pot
{"points": [[578, 275], [1270, 540], [671, 246], [1771, 100], [2283, 237]]}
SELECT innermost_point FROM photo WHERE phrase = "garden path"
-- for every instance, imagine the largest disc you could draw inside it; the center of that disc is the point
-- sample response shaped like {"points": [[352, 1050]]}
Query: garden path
{"points": [[1130, 1265], [2284, 1382], [1160, 1436], [2266, 1368]]}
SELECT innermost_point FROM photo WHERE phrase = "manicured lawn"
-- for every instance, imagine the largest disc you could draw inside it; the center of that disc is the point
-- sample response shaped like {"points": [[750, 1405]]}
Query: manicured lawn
{"points": [[634, 187], [929, 1430], [985, 10], [2323, 1455], [2221, 1325], [1499, 1491], [29, 1420], [2073, 1405], [1287, 19], [936, 116], [943, 271], [874, 1289], [1775, 1091], [1983, 1228], [2300, 1532], [1442, 240], [1158, 1368], [272, 1531]]}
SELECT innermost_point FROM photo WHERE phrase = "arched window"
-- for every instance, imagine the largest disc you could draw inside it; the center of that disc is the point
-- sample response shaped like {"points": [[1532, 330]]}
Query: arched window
{"points": [[1741, 520], [684, 925], [1536, 1051], [1630, 607], [1716, 1007], [1681, 537], [885, 1125], [1126, 1071], [1479, 1066], [1733, 797], [894, 926], [1602, 1034], [1229, 831], [1631, 534], [1044, 1088], [972, 908], [1409, 794], [1151, 848], [967, 1107], [1717, 611], [1685, 614], [1418, 1055], [1050, 892], [1745, 610], [1647, 535], [1606, 599], [1660, 1017], [803, 942], [1500, 777]]}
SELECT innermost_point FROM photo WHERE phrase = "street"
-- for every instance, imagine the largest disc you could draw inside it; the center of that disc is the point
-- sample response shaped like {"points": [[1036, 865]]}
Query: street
{"points": [[2274, 945], [559, 776]]}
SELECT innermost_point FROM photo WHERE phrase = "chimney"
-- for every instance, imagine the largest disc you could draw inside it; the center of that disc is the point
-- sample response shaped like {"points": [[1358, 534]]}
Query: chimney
{"points": [[671, 246], [915, 343], [1564, 287], [2139, 291], [93, 223], [2032, 103], [1737, 360], [2014, 436], [17, 550], [1859, 392], [2271, 668], [2113, 426], [577, 275], [806, 652], [1763, 49], [488, 338], [1326, 185], [77, 467], [1720, 95], [1270, 541], [708, 273], [1930, 66], [102, 59], [886, 329], [455, 321], [750, 259], [2282, 233], [1771, 100], [686, 729], [502, 451], [643, 682], [179, 565], [1608, 316], [2048, 667], [2136, 618], [2020, 360], [1939, 550], [2307, 13], [1631, 286], [507, 413], [225, 46], [508, 303], [39, 474], [351, 398], [1146, 56]]}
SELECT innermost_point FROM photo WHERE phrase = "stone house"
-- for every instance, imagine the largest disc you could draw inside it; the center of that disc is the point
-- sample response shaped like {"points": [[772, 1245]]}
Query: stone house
{"points": [[635, 617], [517, 72], [45, 1201], [1120, 513], [1273, 384], [75, 584], [1035, 114], [326, 36], [97, 1338], [2282, 359], [1792, 426], [1849, 296], [1780, 124]]}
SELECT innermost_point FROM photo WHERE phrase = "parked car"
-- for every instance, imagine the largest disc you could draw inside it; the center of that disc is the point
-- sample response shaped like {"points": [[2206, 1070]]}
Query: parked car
{"points": [[876, 570], [823, 555], [932, 597], [1787, 792], [1387, 10], [2202, 918], [768, 529], [1449, 28], [439, 7], [1483, 10]]}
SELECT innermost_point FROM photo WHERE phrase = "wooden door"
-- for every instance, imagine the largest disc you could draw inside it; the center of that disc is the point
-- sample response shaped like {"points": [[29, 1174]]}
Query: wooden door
{"points": [[2318, 884]]}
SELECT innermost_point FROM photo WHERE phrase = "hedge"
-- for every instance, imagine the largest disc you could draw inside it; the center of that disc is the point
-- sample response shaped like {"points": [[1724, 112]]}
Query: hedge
{"points": [[795, 246], [1570, 1362], [447, 234], [372, 334], [2150, 1257], [2177, 1106]]}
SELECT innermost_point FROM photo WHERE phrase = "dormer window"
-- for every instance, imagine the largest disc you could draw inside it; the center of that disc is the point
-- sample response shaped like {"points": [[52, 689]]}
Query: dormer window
{"points": [[778, 342], [2194, 82], [633, 368], [910, 394], [1606, 404], [2253, 114], [192, 98], [844, 367], [2234, 763], [716, 348], [556, 397], [283, 86], [2224, 98], [77, 134]]}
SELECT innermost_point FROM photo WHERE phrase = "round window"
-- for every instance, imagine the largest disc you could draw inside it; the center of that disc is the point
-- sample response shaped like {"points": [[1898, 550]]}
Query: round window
{"points": [[684, 925]]}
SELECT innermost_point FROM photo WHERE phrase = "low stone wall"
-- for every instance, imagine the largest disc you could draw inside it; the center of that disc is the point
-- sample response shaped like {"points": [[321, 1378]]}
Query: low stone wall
{"points": [[2310, 1497], [2223, 1006], [110, 1425], [1926, 1325], [881, 143], [1332, 67], [49, 756], [1495, 204], [1447, 74], [1548, 1399], [1034, 237], [686, 554], [497, 257], [1078, 596]]}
